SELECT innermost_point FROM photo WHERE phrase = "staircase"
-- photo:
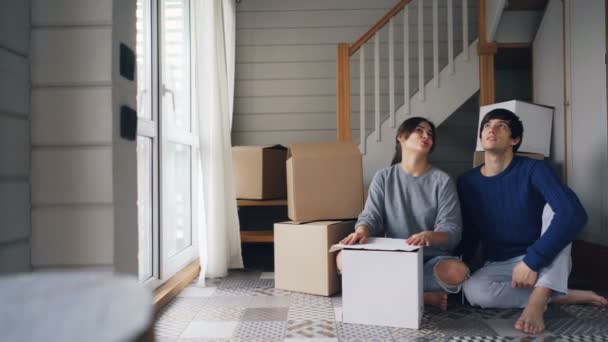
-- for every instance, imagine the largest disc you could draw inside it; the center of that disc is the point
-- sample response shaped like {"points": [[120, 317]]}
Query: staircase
{"points": [[439, 74]]}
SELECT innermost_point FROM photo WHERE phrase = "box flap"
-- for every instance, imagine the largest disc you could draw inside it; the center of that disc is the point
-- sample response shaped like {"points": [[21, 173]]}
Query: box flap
{"points": [[276, 147], [260, 147], [379, 244], [330, 150], [301, 223]]}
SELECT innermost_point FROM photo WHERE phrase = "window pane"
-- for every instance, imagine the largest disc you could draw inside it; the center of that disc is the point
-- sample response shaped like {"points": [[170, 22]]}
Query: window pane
{"points": [[178, 198], [175, 62], [143, 55], [144, 207]]}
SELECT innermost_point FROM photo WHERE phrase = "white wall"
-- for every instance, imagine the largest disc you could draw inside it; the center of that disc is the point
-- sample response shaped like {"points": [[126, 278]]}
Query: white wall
{"points": [[15, 225], [75, 100], [547, 66], [517, 26], [587, 139], [124, 157], [286, 64], [588, 127]]}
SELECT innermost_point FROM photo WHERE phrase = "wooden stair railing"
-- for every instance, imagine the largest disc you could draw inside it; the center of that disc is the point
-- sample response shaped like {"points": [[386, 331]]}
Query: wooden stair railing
{"points": [[486, 51], [345, 51]]}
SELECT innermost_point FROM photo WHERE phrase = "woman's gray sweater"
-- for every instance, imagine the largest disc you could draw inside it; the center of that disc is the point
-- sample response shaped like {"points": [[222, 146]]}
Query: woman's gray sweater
{"points": [[399, 205]]}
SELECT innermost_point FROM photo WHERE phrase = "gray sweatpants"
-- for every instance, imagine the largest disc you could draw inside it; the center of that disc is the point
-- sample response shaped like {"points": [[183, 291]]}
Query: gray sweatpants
{"points": [[490, 286]]}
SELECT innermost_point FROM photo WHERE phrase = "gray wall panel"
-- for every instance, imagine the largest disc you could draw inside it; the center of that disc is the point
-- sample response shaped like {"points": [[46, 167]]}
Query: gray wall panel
{"points": [[14, 211], [15, 26], [286, 63], [14, 146]]}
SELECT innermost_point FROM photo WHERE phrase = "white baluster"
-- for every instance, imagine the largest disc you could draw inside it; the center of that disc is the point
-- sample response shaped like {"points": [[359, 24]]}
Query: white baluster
{"points": [[406, 60], [420, 51], [436, 43], [362, 130], [450, 37], [391, 71], [465, 29], [377, 84]]}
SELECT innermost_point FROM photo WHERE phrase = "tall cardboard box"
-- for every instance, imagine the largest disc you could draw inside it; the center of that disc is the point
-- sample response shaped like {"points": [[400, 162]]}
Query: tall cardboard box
{"points": [[259, 172], [302, 261], [537, 120], [324, 181], [382, 283]]}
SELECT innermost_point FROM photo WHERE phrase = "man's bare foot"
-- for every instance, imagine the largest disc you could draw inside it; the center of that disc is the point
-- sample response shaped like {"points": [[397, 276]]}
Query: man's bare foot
{"points": [[436, 299], [581, 297], [531, 320]]}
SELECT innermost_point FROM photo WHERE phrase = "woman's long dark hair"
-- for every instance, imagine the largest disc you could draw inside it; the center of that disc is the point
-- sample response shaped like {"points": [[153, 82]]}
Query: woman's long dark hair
{"points": [[405, 129]]}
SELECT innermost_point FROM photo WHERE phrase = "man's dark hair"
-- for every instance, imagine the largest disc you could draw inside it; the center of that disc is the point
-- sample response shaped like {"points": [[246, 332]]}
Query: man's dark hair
{"points": [[513, 121]]}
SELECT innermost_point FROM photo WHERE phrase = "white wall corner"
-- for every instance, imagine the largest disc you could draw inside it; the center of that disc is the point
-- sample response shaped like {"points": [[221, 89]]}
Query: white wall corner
{"points": [[494, 9]]}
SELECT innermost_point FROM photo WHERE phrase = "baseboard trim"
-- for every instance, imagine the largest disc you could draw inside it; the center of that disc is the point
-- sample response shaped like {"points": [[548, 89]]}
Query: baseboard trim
{"points": [[589, 268], [172, 287]]}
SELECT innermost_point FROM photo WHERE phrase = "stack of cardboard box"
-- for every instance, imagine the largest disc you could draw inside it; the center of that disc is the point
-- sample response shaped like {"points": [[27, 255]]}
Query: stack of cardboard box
{"points": [[324, 196], [381, 279]]}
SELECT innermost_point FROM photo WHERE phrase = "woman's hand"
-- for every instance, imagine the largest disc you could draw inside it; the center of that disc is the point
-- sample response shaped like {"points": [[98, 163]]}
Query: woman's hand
{"points": [[359, 236], [424, 239]]}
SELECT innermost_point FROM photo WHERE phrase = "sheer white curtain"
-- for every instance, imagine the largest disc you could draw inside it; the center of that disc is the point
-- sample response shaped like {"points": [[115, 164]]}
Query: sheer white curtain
{"points": [[214, 45]]}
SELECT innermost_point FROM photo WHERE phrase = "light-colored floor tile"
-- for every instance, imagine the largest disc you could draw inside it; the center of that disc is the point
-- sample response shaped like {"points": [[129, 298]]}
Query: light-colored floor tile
{"points": [[265, 314], [338, 313], [267, 275], [195, 291], [311, 329], [229, 301], [317, 339], [269, 302], [348, 331], [505, 327], [307, 300], [216, 313], [311, 312], [202, 329], [254, 330]]}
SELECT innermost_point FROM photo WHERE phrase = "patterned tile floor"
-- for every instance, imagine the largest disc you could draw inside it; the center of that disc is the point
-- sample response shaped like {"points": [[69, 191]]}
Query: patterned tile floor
{"points": [[245, 306]]}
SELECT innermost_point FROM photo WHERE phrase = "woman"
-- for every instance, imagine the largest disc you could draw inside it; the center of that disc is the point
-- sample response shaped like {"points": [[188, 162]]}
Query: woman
{"points": [[415, 201]]}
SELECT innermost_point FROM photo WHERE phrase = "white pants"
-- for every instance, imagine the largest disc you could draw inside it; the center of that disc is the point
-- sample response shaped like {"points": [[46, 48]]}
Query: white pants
{"points": [[490, 286]]}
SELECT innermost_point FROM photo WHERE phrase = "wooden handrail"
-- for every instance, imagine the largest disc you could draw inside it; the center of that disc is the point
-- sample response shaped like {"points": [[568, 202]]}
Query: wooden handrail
{"points": [[343, 92], [379, 25], [486, 51]]}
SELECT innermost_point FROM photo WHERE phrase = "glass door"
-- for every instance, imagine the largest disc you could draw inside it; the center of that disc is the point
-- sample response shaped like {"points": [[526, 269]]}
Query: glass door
{"points": [[147, 145], [179, 139], [167, 142]]}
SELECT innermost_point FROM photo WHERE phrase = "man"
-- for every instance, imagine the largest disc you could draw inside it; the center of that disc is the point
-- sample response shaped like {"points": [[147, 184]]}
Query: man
{"points": [[502, 207]]}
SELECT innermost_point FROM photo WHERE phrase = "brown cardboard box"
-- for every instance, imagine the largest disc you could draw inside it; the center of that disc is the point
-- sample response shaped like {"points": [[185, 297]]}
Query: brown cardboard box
{"points": [[259, 171], [478, 157], [302, 261], [324, 181]]}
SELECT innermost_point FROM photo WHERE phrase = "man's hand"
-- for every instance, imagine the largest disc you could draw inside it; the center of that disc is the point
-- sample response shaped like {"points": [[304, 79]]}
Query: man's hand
{"points": [[421, 239], [359, 236], [523, 276]]}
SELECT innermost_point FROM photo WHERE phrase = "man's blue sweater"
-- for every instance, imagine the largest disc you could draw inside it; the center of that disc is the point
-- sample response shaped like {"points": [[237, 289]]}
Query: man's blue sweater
{"points": [[504, 212]]}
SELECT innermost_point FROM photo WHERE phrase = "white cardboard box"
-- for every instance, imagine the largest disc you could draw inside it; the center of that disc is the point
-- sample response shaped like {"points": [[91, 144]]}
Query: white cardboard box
{"points": [[537, 121], [382, 283]]}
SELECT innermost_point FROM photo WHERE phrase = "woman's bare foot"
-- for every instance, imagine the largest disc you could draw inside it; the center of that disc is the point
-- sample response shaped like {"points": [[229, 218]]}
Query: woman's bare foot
{"points": [[531, 320], [581, 297], [436, 299]]}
